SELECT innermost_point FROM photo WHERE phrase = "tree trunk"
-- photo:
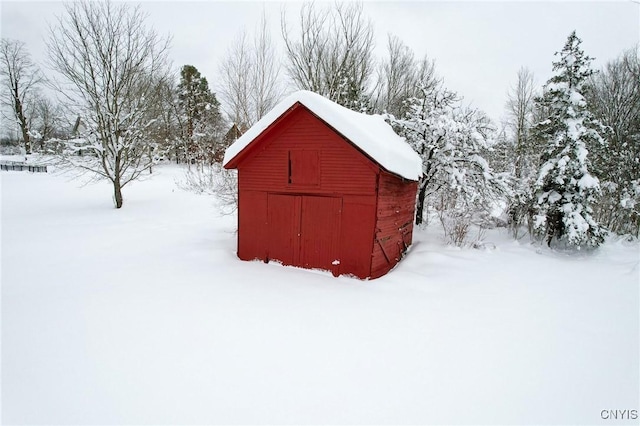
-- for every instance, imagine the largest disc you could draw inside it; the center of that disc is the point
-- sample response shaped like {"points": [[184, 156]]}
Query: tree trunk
{"points": [[25, 137], [117, 192], [555, 226], [23, 123], [151, 159], [420, 203]]}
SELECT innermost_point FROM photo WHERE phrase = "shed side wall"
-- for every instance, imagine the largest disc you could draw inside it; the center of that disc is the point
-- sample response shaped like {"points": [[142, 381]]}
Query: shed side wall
{"points": [[394, 222]]}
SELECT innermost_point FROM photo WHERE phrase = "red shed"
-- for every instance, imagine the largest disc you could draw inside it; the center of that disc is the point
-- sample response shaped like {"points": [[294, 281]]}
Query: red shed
{"points": [[321, 186]]}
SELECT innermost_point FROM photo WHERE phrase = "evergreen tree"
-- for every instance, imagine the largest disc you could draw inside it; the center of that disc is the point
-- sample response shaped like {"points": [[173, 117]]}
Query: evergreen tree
{"points": [[565, 190], [200, 115]]}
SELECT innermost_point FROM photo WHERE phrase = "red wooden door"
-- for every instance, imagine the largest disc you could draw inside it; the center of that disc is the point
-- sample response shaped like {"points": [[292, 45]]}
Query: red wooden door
{"points": [[284, 228], [320, 229], [304, 230], [358, 222]]}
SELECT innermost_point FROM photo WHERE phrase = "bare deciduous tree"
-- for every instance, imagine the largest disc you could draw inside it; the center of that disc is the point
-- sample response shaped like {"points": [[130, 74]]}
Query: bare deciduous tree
{"points": [[250, 74], [520, 107], [111, 65], [398, 77], [450, 140], [169, 128], [333, 52], [236, 82], [20, 78], [46, 121], [614, 98], [266, 90]]}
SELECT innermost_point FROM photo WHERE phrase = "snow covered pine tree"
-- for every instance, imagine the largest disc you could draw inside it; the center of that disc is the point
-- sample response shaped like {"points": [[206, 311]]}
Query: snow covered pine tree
{"points": [[200, 117], [565, 190]]}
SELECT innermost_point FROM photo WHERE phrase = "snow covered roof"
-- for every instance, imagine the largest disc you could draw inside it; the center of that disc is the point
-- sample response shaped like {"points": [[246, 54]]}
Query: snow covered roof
{"points": [[370, 133]]}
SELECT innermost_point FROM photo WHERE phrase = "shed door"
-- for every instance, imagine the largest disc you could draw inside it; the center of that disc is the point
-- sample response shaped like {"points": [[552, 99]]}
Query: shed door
{"points": [[284, 228], [320, 230], [304, 230]]}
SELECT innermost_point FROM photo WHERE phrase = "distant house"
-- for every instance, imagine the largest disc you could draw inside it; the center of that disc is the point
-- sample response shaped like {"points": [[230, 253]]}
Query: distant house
{"points": [[79, 128], [233, 134], [321, 186], [230, 137]]}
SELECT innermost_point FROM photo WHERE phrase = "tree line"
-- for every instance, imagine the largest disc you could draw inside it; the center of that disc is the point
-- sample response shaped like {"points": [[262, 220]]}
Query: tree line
{"points": [[563, 167]]}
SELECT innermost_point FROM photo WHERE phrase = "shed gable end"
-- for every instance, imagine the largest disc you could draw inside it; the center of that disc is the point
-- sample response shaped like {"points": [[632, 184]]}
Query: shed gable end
{"points": [[301, 152]]}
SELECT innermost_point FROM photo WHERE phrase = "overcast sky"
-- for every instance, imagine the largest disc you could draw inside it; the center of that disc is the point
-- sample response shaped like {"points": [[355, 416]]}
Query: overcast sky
{"points": [[478, 46]]}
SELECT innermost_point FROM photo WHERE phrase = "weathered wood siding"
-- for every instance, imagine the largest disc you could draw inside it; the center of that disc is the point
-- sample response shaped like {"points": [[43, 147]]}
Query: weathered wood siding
{"points": [[394, 222], [356, 236]]}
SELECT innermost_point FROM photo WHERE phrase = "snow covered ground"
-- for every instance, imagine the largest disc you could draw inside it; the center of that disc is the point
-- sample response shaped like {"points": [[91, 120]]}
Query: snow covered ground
{"points": [[145, 315]]}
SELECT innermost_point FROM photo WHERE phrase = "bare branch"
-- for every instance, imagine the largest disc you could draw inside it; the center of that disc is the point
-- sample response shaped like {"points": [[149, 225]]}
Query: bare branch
{"points": [[250, 76], [332, 54]]}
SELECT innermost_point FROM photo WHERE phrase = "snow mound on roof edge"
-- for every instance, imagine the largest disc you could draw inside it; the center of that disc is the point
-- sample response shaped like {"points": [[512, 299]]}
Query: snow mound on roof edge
{"points": [[370, 133]]}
